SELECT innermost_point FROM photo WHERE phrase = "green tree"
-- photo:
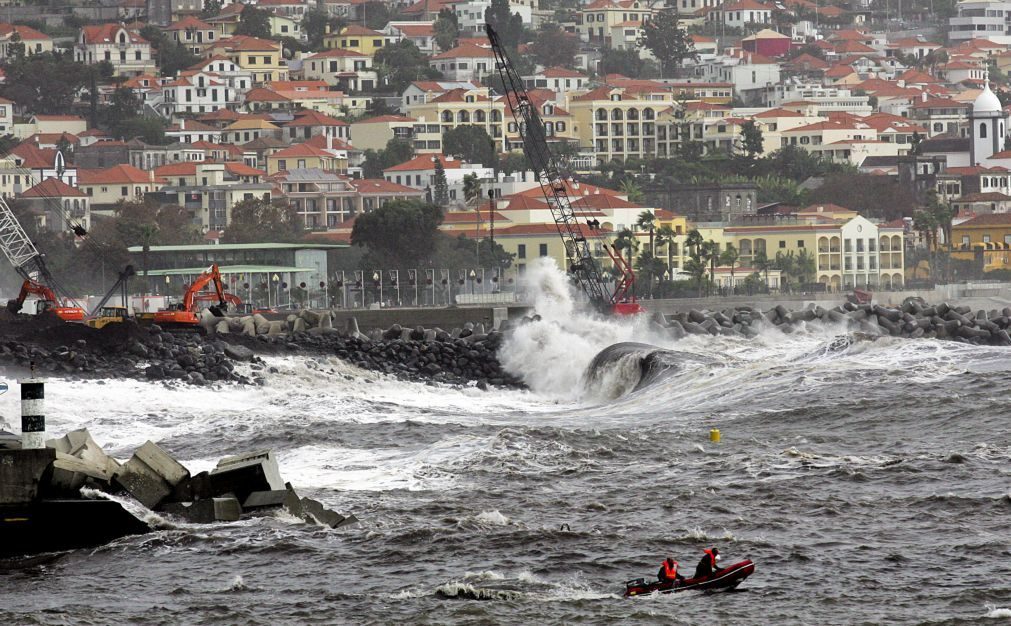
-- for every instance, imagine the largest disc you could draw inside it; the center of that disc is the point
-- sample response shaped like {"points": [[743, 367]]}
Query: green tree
{"points": [[317, 24], [46, 83], [805, 267], [751, 139], [627, 241], [376, 15], [254, 22], [447, 29], [624, 62], [553, 47], [513, 162], [669, 43], [709, 253], [472, 189], [212, 8], [667, 237], [402, 63], [470, 143], [397, 151], [440, 191], [693, 241], [631, 190], [507, 24], [651, 268], [15, 46], [401, 233], [646, 220], [148, 128], [728, 258], [696, 268], [762, 263], [257, 220]]}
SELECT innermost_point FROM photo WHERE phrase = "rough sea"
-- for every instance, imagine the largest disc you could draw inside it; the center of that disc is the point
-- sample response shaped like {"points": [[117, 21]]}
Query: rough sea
{"points": [[869, 482]]}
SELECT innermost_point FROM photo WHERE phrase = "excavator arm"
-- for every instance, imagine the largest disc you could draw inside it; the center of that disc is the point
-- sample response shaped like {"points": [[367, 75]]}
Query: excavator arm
{"points": [[49, 301], [211, 276]]}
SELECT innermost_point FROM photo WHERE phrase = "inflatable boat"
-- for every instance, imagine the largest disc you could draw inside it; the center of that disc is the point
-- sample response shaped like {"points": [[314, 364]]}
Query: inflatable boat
{"points": [[723, 579]]}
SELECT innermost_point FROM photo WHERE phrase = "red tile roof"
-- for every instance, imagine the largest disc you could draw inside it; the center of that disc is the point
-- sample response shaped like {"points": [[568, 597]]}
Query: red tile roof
{"points": [[26, 33], [465, 51], [53, 188], [117, 174], [424, 162], [108, 33]]}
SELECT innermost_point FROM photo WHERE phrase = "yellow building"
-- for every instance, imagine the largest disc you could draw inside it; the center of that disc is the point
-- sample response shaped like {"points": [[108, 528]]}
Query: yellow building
{"points": [[987, 236], [617, 123], [260, 57], [122, 182], [595, 21], [304, 156], [359, 39], [458, 107]]}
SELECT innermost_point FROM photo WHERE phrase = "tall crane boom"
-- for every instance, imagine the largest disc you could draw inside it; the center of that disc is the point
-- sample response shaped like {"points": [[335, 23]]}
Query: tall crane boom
{"points": [[15, 244], [553, 184]]}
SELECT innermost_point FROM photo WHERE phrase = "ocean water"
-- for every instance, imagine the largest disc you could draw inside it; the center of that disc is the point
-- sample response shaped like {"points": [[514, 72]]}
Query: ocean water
{"points": [[869, 482]]}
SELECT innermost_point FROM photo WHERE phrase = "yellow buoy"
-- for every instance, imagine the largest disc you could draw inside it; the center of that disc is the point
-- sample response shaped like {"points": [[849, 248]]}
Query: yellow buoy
{"points": [[714, 435]]}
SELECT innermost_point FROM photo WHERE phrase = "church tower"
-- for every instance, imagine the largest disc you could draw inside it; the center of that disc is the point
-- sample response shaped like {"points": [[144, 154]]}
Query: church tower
{"points": [[988, 125]]}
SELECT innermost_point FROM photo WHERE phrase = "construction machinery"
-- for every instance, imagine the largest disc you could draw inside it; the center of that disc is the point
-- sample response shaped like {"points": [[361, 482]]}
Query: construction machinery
{"points": [[46, 304], [103, 314], [186, 314], [574, 225]]}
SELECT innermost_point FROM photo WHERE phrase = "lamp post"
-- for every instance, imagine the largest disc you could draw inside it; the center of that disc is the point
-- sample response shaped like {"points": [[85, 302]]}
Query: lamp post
{"points": [[377, 280], [473, 277]]}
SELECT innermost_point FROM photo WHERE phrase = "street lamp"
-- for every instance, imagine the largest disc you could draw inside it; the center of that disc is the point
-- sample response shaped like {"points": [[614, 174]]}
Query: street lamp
{"points": [[277, 291], [473, 277], [377, 280]]}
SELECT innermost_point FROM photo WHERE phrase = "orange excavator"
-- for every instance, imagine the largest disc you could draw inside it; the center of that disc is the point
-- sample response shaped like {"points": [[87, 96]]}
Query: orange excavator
{"points": [[186, 314], [46, 304]]}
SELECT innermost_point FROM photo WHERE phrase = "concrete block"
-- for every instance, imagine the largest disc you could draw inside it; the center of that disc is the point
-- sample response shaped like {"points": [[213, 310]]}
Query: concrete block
{"points": [[23, 472], [161, 463], [78, 443], [71, 473], [208, 511], [315, 512], [238, 353], [149, 489], [243, 474], [265, 500]]}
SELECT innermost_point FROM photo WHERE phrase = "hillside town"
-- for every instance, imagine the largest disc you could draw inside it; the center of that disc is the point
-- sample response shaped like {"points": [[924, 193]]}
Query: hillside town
{"points": [[720, 147]]}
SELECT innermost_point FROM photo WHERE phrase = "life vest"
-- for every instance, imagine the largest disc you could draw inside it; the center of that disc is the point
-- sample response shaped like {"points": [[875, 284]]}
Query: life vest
{"points": [[670, 571], [712, 558]]}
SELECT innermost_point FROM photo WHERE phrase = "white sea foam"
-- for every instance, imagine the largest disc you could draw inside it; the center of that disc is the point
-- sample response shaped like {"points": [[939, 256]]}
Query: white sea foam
{"points": [[992, 611]]}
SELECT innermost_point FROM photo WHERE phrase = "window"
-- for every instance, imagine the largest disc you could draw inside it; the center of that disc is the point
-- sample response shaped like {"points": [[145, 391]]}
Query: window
{"points": [[782, 243], [986, 238], [521, 251], [965, 241], [860, 245], [800, 244], [543, 249], [124, 191], [982, 130], [282, 165]]}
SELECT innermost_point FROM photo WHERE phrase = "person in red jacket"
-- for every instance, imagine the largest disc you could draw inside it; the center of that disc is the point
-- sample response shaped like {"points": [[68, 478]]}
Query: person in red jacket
{"points": [[708, 564], [669, 571]]}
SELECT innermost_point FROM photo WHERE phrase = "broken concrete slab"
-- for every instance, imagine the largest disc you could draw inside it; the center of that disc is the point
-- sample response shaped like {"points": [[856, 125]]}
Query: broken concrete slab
{"points": [[78, 443], [243, 474], [23, 473], [161, 463], [315, 512], [71, 473], [208, 511], [265, 500]]}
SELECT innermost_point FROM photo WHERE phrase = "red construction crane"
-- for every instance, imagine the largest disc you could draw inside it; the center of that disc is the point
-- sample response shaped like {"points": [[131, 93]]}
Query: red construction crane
{"points": [[574, 226]]}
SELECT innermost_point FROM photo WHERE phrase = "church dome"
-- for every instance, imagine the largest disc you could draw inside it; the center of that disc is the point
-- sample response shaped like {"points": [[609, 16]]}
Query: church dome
{"points": [[986, 101]]}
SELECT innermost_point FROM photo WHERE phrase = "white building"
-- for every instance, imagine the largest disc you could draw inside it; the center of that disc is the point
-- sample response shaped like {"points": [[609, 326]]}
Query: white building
{"points": [[470, 14], [128, 52], [349, 70], [988, 124], [465, 62], [421, 34], [195, 92], [419, 173], [746, 71], [226, 71], [558, 79], [985, 19]]}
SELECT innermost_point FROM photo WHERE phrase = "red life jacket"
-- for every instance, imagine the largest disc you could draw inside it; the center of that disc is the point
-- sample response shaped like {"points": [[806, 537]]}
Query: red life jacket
{"points": [[712, 558], [670, 571]]}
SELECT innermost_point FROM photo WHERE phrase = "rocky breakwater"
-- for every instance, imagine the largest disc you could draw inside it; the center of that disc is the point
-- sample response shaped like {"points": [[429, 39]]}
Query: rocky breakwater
{"points": [[913, 320], [50, 498], [458, 356]]}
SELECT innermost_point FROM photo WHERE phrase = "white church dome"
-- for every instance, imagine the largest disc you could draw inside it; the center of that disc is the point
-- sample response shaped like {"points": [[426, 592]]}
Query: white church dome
{"points": [[986, 101]]}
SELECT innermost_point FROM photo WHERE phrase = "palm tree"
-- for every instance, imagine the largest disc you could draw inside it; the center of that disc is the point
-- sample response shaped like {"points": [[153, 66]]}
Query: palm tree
{"points": [[806, 267], [651, 267], [763, 264], [709, 252], [471, 188], [697, 268], [729, 257], [647, 221], [627, 241], [667, 236], [631, 190], [693, 241]]}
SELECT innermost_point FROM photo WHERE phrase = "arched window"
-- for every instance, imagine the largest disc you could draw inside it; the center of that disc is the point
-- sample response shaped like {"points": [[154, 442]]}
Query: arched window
{"points": [[617, 114], [122, 37], [549, 129], [648, 114], [982, 130], [447, 116], [601, 114], [496, 116], [633, 114], [479, 116], [463, 116]]}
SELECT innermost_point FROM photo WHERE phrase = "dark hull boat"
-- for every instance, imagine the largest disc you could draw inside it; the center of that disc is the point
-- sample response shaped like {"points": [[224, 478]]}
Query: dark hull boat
{"points": [[724, 579]]}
